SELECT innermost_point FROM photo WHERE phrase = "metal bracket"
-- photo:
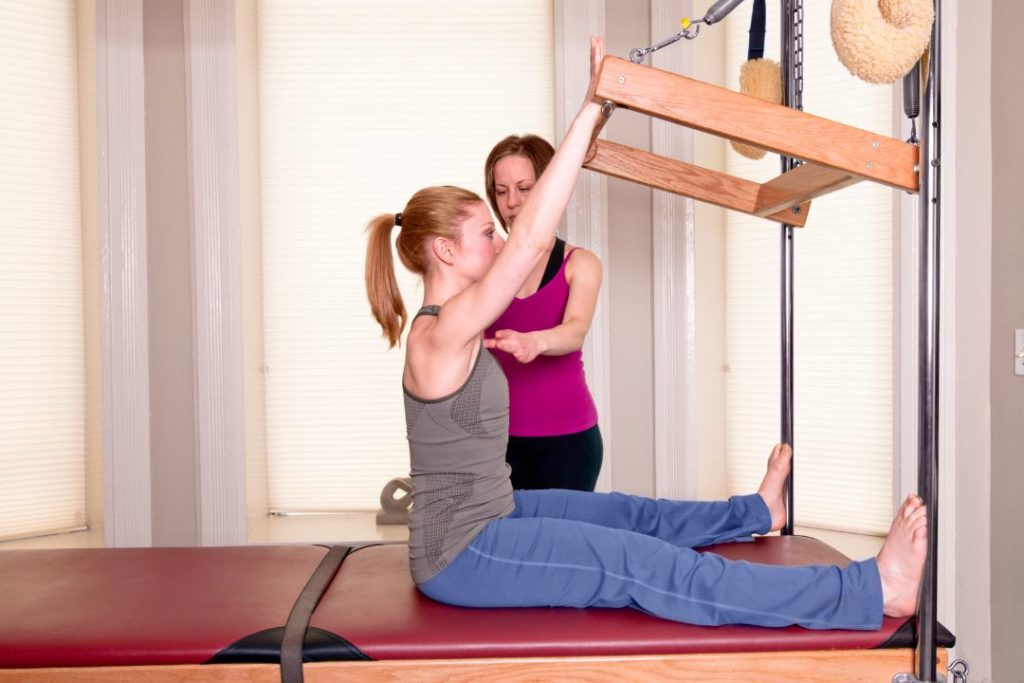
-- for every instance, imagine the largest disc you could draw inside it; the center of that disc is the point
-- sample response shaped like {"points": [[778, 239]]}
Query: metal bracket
{"points": [[958, 671], [911, 678]]}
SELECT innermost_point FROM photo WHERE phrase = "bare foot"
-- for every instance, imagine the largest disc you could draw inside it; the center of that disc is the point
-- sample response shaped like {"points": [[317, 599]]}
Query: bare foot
{"points": [[773, 486], [901, 559]]}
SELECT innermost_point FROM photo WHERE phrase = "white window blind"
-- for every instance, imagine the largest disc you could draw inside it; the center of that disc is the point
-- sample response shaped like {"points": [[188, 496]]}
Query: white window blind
{"points": [[42, 373], [362, 104], [843, 312]]}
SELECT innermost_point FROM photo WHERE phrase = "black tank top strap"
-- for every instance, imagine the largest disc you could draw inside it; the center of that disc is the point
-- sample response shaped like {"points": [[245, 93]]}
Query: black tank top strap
{"points": [[432, 309], [554, 262]]}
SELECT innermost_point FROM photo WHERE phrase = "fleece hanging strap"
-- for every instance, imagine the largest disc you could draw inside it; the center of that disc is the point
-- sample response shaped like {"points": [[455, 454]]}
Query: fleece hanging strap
{"points": [[755, 43], [759, 77]]}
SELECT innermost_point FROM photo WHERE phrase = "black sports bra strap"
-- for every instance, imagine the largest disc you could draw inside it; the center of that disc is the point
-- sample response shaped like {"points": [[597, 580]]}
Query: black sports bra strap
{"points": [[432, 309], [554, 262]]}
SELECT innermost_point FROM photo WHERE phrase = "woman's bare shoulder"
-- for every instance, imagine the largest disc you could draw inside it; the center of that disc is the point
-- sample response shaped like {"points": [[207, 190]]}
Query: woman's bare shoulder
{"points": [[581, 261]]}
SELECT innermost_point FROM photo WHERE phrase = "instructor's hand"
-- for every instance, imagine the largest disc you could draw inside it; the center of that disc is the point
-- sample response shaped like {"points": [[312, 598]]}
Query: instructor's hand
{"points": [[523, 346]]}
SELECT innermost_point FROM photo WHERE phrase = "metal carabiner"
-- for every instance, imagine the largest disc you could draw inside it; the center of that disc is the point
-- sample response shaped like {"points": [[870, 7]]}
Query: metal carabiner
{"points": [[690, 31]]}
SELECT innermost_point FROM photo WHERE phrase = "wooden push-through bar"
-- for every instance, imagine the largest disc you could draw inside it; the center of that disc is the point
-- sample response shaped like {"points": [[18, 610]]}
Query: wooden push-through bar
{"points": [[835, 155]]}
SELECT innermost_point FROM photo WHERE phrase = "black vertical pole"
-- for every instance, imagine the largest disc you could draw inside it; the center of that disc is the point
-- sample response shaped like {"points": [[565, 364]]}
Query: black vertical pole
{"points": [[928, 350], [792, 86]]}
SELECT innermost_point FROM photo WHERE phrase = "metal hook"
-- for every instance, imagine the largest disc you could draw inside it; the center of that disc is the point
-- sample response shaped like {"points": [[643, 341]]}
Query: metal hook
{"points": [[959, 669]]}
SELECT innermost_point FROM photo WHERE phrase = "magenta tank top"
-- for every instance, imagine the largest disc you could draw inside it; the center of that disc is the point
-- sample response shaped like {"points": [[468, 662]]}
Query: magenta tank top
{"points": [[547, 396]]}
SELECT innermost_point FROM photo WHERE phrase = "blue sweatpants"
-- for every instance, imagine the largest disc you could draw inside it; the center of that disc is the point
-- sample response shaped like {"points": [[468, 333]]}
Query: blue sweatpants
{"points": [[581, 549]]}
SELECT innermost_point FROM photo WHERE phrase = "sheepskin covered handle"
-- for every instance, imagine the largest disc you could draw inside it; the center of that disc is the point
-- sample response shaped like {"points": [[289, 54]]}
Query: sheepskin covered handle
{"points": [[879, 41]]}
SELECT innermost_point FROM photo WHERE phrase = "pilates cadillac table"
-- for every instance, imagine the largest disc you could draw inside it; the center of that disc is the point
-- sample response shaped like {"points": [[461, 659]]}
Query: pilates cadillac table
{"points": [[269, 613]]}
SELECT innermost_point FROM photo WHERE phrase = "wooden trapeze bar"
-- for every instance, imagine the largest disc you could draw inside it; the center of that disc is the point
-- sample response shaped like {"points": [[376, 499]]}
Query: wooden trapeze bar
{"points": [[835, 155]]}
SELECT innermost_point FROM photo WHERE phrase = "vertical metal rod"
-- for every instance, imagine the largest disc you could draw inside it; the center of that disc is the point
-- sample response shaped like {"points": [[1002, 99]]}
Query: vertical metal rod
{"points": [[928, 350], [792, 85]]}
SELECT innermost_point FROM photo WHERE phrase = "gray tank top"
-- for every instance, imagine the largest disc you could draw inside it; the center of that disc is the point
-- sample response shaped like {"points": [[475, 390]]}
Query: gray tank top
{"points": [[460, 479]]}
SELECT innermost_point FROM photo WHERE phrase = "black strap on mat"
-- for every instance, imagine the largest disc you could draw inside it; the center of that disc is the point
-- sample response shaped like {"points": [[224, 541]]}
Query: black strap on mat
{"points": [[302, 611]]}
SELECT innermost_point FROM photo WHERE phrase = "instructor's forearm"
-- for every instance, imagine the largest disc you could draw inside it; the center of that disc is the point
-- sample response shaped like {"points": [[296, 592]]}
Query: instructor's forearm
{"points": [[562, 339]]}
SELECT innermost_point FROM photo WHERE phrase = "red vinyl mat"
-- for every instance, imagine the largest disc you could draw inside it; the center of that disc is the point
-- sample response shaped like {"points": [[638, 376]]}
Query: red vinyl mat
{"points": [[374, 605], [142, 605]]}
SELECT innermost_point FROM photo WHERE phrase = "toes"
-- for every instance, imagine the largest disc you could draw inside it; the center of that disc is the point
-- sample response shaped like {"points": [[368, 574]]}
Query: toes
{"points": [[911, 519], [781, 454], [910, 505]]}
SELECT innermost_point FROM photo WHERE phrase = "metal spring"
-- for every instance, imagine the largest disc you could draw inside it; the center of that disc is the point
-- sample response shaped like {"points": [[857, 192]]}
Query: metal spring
{"points": [[912, 99]]}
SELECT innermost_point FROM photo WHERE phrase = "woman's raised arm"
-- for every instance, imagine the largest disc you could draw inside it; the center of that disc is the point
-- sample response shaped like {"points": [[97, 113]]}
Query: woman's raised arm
{"points": [[467, 314]]}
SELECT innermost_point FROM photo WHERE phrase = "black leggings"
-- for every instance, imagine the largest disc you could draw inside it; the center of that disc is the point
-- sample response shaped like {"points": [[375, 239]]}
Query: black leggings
{"points": [[569, 461]]}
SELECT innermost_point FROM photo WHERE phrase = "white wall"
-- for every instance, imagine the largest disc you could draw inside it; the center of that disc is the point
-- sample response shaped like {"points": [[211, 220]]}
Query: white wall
{"points": [[628, 267], [965, 430], [171, 368], [1007, 507]]}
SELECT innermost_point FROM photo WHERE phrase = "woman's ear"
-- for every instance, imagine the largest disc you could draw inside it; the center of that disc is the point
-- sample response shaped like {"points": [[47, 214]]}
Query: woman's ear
{"points": [[442, 247]]}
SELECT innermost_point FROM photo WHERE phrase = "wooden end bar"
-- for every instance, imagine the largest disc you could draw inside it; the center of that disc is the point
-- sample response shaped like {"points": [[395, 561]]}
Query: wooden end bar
{"points": [[679, 177], [728, 114], [802, 184]]}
